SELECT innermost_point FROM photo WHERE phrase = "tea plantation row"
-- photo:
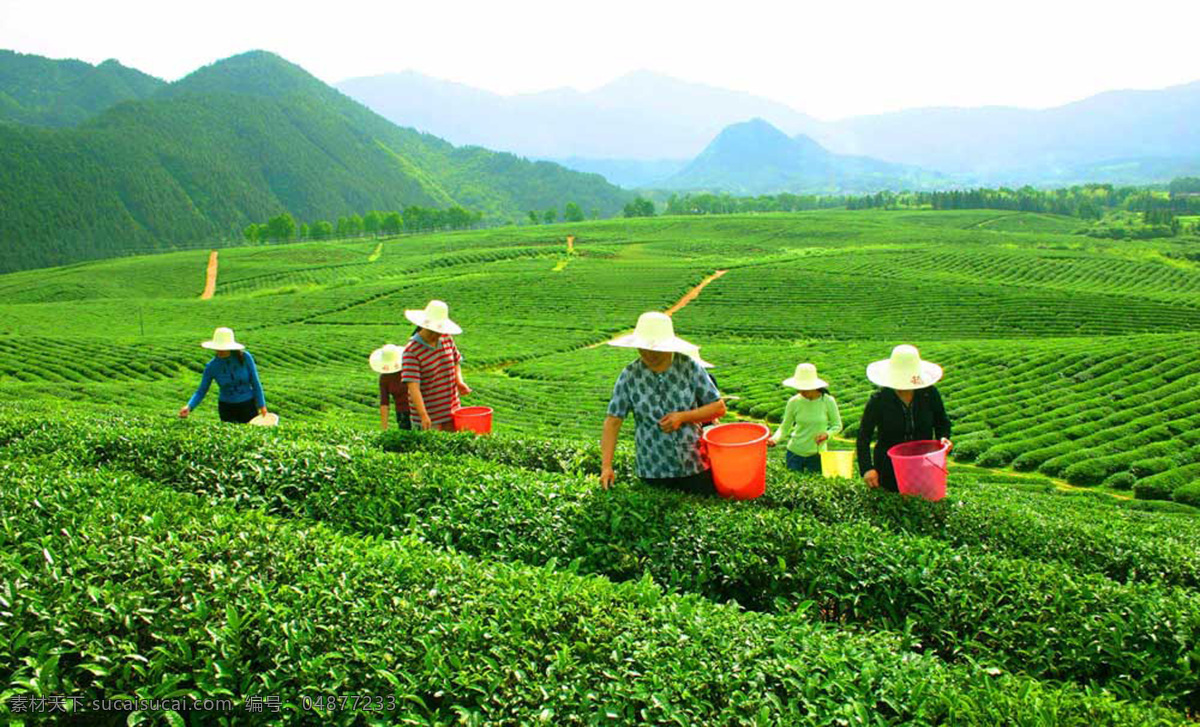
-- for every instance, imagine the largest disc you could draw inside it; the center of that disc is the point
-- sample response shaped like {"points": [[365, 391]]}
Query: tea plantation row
{"points": [[115, 586], [1053, 621]]}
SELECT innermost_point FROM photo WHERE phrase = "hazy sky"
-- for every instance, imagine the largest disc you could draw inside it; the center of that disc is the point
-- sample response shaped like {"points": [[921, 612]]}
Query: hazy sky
{"points": [[828, 59]]}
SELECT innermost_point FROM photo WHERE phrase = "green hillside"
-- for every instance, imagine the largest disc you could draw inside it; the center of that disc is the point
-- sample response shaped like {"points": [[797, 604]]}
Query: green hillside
{"points": [[43, 92], [1058, 583], [237, 142]]}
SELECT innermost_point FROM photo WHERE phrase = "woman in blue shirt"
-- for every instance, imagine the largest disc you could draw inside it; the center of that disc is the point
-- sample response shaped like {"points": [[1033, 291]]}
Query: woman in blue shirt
{"points": [[241, 395], [670, 396]]}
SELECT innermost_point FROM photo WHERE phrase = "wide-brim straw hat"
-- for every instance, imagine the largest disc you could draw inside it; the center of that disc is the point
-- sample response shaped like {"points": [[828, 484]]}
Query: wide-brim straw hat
{"points": [[387, 360], [655, 332], [805, 378], [222, 340], [904, 370], [270, 419], [435, 317]]}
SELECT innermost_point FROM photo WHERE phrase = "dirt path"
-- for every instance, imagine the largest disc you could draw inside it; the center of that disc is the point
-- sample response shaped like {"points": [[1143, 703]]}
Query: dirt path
{"points": [[210, 280], [694, 293], [680, 304]]}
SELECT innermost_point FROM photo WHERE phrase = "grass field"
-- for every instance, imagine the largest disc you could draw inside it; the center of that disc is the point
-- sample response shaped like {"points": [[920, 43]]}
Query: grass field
{"points": [[490, 581]]}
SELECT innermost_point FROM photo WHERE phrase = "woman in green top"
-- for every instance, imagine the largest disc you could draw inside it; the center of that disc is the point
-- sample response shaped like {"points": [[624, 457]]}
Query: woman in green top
{"points": [[810, 419]]}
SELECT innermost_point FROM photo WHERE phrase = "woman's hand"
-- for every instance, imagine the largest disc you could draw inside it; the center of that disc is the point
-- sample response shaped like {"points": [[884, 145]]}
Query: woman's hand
{"points": [[871, 477], [672, 421], [771, 442], [463, 389], [948, 444], [184, 411], [426, 422], [262, 411], [822, 437], [607, 476]]}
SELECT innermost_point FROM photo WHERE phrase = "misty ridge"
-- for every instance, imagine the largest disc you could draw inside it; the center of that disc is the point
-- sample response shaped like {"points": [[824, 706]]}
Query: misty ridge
{"points": [[643, 128]]}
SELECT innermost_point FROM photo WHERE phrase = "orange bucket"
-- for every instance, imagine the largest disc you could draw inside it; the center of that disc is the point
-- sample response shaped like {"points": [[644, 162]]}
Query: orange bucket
{"points": [[476, 419], [738, 452]]}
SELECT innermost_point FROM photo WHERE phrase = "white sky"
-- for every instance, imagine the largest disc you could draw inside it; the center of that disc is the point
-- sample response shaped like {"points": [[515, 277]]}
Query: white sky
{"points": [[828, 59]]}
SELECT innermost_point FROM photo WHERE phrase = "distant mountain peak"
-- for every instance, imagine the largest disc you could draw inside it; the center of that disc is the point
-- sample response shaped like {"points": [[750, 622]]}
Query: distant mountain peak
{"points": [[755, 157]]}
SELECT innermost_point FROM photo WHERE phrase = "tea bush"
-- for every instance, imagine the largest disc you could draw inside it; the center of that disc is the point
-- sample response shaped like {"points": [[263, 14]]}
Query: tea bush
{"points": [[960, 604], [128, 589]]}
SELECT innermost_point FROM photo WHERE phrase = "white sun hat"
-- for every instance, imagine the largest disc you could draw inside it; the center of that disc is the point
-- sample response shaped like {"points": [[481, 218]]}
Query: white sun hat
{"points": [[904, 370], [222, 340], [805, 378], [435, 317], [386, 360], [655, 332], [694, 354]]}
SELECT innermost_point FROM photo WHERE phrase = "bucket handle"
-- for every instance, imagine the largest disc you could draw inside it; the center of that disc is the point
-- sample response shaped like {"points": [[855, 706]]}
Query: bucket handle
{"points": [[944, 470]]}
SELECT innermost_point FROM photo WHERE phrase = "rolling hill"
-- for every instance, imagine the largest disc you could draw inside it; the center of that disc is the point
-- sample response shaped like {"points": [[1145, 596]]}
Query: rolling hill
{"points": [[754, 157], [43, 92], [236, 142]]}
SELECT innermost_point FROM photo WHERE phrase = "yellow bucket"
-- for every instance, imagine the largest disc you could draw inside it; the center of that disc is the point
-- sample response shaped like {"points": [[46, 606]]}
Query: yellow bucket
{"points": [[838, 464]]}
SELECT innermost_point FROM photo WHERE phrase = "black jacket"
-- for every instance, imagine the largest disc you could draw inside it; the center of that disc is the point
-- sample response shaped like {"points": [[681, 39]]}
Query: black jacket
{"points": [[887, 419]]}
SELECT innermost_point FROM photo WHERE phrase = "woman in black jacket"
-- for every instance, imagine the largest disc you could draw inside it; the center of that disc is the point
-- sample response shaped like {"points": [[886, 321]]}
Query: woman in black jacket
{"points": [[906, 408]]}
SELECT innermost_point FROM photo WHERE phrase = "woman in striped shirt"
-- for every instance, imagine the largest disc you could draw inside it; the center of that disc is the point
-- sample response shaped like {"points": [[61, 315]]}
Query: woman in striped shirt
{"points": [[432, 368]]}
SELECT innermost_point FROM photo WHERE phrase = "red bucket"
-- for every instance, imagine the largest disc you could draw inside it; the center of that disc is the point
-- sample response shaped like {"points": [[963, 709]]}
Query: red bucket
{"points": [[476, 419], [738, 453], [920, 468]]}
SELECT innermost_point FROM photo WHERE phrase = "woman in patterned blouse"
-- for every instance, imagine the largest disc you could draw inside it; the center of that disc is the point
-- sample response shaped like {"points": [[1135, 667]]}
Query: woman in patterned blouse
{"points": [[670, 396]]}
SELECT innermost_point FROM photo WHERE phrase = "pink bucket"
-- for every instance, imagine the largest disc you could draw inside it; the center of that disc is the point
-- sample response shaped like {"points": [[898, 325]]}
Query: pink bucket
{"points": [[738, 453], [920, 468]]}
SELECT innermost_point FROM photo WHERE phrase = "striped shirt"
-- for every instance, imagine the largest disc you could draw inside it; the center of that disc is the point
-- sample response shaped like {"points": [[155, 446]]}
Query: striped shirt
{"points": [[434, 368]]}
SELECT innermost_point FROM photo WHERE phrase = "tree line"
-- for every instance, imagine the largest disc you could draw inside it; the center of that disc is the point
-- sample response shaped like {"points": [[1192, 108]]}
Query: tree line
{"points": [[1157, 212], [414, 218]]}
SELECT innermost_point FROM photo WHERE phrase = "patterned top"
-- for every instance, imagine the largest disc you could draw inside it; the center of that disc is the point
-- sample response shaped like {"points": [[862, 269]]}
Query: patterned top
{"points": [[685, 385], [238, 381], [433, 367]]}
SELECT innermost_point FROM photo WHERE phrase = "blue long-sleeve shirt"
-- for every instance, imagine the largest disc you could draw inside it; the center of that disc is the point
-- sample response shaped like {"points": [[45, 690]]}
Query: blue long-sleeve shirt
{"points": [[238, 381]]}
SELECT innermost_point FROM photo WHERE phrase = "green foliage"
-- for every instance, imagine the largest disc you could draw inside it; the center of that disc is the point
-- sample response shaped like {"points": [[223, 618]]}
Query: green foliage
{"points": [[1188, 494], [639, 207], [210, 602], [44, 92], [955, 602], [572, 213], [239, 141]]}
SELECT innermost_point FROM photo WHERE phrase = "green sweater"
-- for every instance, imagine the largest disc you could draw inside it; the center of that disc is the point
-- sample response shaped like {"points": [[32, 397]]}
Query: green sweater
{"points": [[803, 420]]}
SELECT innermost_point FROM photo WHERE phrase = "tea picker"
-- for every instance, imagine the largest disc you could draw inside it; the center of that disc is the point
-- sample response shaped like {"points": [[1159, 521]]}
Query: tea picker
{"points": [[240, 399], [906, 408]]}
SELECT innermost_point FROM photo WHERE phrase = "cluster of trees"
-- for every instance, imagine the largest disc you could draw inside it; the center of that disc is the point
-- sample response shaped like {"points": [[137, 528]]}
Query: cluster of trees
{"points": [[725, 204], [1182, 186], [572, 212], [639, 207], [414, 218], [1088, 201]]}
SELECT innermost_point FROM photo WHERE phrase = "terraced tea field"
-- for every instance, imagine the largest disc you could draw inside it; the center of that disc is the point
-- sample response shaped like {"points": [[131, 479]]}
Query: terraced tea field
{"points": [[490, 581]]}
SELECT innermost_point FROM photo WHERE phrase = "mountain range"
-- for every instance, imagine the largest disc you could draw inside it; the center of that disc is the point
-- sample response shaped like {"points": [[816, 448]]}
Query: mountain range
{"points": [[236, 142], [643, 127], [754, 157]]}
